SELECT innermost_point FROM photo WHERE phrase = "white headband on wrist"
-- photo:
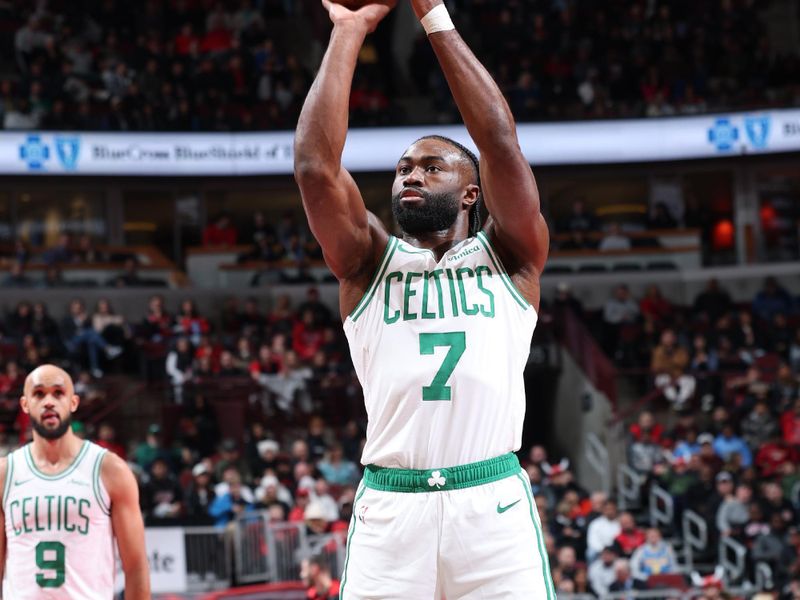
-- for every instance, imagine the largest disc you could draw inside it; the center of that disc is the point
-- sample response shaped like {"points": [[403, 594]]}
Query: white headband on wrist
{"points": [[437, 19]]}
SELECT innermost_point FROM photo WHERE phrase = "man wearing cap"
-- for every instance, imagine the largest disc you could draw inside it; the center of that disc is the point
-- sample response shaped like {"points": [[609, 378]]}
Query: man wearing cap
{"points": [[707, 454], [229, 457], [316, 518], [200, 494]]}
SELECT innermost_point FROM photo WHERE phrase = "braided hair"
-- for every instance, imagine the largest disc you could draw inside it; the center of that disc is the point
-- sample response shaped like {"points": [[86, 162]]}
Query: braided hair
{"points": [[475, 219]]}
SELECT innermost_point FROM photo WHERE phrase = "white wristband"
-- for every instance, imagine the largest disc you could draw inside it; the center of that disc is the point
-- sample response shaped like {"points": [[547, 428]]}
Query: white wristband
{"points": [[437, 19]]}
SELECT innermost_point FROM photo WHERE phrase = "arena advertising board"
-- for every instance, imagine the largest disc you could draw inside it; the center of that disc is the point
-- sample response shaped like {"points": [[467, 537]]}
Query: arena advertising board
{"points": [[166, 555], [270, 153]]}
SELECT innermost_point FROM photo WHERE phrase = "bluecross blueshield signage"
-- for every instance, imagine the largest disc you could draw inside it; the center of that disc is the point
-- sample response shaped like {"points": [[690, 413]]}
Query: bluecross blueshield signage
{"points": [[270, 153]]}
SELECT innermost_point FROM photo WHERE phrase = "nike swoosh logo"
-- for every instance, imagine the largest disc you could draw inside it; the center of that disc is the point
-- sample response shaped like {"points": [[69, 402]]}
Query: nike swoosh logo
{"points": [[18, 482], [502, 509]]}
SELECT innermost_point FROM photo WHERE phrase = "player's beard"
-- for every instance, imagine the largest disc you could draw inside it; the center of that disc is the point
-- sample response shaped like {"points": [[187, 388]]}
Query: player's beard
{"points": [[437, 213], [52, 434]]}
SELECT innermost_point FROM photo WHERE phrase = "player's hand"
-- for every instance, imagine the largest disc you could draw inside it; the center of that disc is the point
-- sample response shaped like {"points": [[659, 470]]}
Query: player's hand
{"points": [[423, 7], [368, 16]]}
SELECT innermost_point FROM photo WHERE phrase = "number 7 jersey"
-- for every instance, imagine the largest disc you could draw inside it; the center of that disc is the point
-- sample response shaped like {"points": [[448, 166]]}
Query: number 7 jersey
{"points": [[440, 348]]}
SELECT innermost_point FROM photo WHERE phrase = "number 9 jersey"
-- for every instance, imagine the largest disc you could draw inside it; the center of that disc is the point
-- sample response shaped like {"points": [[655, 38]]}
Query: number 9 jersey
{"points": [[440, 348], [59, 538]]}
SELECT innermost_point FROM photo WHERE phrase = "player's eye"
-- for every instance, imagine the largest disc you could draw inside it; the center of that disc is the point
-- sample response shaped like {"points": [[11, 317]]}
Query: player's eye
{"points": [[403, 170], [433, 169]]}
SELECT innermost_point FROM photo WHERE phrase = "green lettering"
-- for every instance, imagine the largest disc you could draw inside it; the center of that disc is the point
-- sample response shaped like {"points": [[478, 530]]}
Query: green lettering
{"points": [[36, 514], [67, 525], [25, 515], [435, 276], [473, 310], [387, 297], [453, 301], [84, 528], [425, 313], [17, 528], [58, 513], [49, 511], [488, 272], [408, 294]]}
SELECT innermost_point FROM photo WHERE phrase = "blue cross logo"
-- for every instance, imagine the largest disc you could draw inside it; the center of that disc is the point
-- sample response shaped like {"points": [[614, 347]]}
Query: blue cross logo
{"points": [[723, 134], [34, 152]]}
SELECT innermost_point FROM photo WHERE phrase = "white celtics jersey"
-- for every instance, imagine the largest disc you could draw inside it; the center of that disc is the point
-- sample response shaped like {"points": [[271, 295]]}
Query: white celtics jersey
{"points": [[59, 540], [439, 348]]}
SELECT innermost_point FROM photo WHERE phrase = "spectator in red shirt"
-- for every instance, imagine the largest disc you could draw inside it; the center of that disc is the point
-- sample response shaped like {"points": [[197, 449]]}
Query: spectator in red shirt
{"points": [[221, 232], [630, 536], [306, 336], [316, 574], [11, 379], [186, 42], [646, 430], [106, 438], [773, 455], [301, 499], [190, 323], [655, 305], [267, 363], [157, 324], [790, 425]]}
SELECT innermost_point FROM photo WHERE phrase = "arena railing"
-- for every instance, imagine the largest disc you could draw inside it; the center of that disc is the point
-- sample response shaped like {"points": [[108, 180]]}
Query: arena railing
{"points": [[733, 558], [597, 456], [265, 551], [695, 536], [629, 487], [662, 508]]}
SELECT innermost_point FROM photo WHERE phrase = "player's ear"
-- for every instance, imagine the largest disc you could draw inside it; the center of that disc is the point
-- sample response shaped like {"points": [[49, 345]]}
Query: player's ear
{"points": [[74, 402], [471, 195], [23, 403]]}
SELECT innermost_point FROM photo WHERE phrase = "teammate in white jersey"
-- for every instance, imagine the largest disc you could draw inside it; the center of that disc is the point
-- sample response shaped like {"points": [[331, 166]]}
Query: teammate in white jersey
{"points": [[65, 500], [439, 324]]}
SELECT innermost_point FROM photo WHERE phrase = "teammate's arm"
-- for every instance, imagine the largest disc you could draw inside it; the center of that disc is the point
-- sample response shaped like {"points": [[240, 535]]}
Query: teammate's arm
{"points": [[351, 239], [509, 188], [3, 467], [126, 519]]}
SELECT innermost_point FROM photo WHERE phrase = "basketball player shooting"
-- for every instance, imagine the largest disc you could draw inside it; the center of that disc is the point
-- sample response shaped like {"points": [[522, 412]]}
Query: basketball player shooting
{"points": [[65, 500], [439, 324]]}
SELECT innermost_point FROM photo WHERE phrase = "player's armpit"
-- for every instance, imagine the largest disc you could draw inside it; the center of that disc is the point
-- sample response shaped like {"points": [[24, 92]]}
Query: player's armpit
{"points": [[126, 520]]}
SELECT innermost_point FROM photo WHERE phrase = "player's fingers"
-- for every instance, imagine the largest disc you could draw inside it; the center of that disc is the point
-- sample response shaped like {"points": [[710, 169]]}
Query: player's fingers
{"points": [[327, 5]]}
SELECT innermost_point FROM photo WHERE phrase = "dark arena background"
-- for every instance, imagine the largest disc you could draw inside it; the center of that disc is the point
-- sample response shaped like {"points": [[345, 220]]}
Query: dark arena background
{"points": [[153, 243]]}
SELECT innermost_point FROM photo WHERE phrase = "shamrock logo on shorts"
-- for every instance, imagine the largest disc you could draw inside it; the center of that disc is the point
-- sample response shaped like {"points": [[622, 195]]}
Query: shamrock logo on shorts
{"points": [[436, 479]]}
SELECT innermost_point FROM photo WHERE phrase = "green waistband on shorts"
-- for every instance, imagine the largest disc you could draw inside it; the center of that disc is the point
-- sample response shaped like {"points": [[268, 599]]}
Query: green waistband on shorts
{"points": [[414, 481]]}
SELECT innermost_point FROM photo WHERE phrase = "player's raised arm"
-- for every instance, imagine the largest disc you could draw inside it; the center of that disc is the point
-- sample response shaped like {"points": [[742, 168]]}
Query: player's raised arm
{"points": [[126, 519], [351, 239], [509, 188]]}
